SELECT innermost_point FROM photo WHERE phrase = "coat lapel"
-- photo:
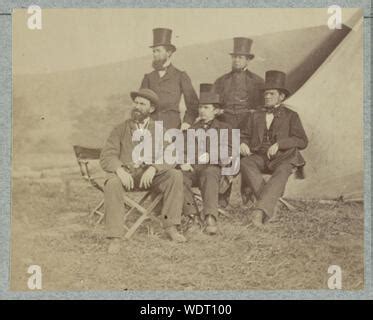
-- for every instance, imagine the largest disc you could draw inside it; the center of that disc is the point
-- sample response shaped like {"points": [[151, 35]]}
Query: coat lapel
{"points": [[260, 123], [133, 128], [278, 120], [215, 124], [154, 76], [228, 83], [168, 75]]}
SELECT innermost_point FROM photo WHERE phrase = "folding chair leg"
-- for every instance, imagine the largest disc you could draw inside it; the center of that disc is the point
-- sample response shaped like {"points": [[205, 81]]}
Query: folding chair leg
{"points": [[287, 204], [142, 200], [101, 214], [145, 214], [96, 210], [224, 213]]}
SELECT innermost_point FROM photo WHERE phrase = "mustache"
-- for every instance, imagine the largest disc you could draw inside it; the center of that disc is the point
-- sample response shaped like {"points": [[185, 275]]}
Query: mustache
{"points": [[138, 115], [237, 69]]}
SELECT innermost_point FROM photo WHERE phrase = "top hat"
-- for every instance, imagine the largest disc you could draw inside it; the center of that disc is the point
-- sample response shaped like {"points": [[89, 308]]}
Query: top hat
{"points": [[147, 94], [207, 95], [276, 80], [242, 47], [162, 37]]}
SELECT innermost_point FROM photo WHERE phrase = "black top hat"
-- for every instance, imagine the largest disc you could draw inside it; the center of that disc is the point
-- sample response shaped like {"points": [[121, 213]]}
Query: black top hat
{"points": [[207, 95], [242, 47], [162, 37], [276, 80]]}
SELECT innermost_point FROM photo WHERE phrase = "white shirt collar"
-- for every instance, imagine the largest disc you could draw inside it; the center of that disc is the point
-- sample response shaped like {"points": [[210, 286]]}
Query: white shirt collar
{"points": [[167, 63]]}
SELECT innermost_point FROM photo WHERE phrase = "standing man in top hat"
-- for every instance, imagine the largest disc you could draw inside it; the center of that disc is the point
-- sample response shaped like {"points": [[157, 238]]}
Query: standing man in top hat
{"points": [[239, 90], [273, 135], [169, 84]]}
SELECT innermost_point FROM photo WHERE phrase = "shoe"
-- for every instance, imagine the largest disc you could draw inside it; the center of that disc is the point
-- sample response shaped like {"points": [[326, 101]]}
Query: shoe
{"points": [[114, 246], [258, 218], [175, 235], [211, 226]]}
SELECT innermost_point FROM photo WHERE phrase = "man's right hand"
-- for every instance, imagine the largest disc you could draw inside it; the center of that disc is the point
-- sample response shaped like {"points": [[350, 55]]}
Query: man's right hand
{"points": [[244, 149], [125, 178]]}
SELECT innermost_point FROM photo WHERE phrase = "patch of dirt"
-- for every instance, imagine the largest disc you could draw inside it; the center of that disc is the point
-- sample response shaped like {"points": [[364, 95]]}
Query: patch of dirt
{"points": [[293, 251]]}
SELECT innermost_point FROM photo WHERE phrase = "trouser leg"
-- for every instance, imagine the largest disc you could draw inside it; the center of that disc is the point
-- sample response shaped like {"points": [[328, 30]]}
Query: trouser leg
{"points": [[114, 208], [189, 204], [209, 179], [251, 173], [274, 188], [224, 197], [170, 184]]}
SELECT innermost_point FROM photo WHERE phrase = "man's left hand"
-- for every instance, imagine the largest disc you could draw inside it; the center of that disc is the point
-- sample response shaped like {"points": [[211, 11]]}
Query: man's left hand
{"points": [[184, 126], [147, 177], [272, 150]]}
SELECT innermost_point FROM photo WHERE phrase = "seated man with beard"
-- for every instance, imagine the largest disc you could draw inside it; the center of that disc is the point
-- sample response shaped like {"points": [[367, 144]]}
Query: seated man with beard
{"points": [[125, 173]]}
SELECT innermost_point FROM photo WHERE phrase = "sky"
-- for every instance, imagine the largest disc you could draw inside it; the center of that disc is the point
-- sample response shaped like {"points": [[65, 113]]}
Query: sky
{"points": [[79, 38]]}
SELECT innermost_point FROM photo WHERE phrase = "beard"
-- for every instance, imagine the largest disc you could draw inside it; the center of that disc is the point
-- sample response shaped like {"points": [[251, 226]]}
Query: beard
{"points": [[139, 116], [237, 69], [158, 64]]}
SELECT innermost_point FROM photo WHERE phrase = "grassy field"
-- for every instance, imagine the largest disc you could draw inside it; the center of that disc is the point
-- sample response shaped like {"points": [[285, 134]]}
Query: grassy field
{"points": [[50, 228]]}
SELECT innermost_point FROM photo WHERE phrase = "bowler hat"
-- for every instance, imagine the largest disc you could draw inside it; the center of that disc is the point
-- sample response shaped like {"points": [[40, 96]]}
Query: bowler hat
{"points": [[147, 94], [162, 37], [207, 95], [276, 80], [242, 47]]}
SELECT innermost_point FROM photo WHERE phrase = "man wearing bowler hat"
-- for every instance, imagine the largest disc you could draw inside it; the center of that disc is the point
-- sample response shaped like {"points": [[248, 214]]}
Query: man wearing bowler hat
{"points": [[169, 83], [239, 89], [125, 173], [205, 174], [271, 139]]}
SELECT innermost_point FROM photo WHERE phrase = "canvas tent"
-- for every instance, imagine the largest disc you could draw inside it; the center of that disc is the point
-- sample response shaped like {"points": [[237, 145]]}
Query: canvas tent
{"points": [[330, 104]]}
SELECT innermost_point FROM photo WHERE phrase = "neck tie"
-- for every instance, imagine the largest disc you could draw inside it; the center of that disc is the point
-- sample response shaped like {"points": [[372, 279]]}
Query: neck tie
{"points": [[270, 109], [206, 124]]}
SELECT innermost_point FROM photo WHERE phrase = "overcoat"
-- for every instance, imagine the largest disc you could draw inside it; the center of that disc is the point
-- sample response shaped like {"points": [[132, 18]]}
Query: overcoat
{"points": [[169, 89]]}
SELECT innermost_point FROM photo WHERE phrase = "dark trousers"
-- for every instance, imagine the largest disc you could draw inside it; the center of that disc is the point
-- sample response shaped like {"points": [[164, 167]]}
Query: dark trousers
{"points": [[267, 193], [168, 182], [207, 179]]}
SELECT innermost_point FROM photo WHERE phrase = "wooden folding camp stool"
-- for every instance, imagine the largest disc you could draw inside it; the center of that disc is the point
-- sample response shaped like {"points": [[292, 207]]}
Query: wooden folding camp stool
{"points": [[86, 155]]}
